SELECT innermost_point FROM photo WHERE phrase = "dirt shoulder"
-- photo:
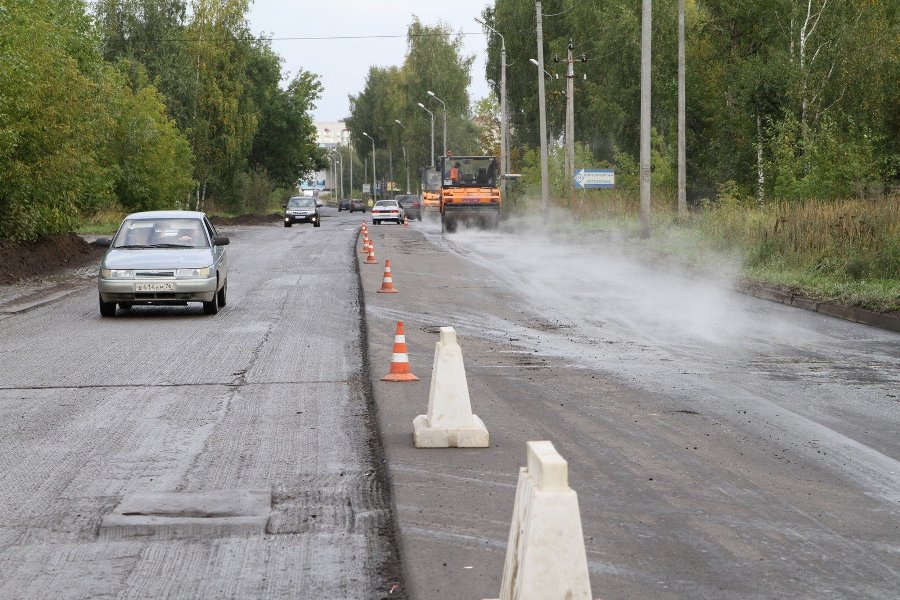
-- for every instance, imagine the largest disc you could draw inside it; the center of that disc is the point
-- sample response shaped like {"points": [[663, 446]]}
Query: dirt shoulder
{"points": [[21, 261]]}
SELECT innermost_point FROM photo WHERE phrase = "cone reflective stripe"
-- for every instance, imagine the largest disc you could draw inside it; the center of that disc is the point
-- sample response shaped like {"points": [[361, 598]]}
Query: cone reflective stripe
{"points": [[400, 359], [370, 259], [387, 283]]}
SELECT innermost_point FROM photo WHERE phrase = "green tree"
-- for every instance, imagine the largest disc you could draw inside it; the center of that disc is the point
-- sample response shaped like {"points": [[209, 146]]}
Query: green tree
{"points": [[222, 123], [151, 157], [285, 143], [53, 124], [434, 62]]}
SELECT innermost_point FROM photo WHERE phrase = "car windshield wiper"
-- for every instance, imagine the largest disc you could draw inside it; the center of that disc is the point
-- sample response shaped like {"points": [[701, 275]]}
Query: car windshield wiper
{"points": [[132, 246], [169, 246]]}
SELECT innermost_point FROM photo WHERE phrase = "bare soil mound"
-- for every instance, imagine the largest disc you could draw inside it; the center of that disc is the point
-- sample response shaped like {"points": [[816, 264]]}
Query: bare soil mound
{"points": [[247, 219], [25, 260]]}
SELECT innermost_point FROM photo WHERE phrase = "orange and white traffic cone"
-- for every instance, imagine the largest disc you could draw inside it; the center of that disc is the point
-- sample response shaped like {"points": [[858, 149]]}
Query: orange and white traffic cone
{"points": [[400, 359], [387, 283], [365, 245], [370, 259], [406, 222]]}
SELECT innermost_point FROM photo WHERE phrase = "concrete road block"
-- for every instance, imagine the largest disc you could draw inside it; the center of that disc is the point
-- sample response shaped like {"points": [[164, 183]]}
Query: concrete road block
{"points": [[449, 422], [545, 555]]}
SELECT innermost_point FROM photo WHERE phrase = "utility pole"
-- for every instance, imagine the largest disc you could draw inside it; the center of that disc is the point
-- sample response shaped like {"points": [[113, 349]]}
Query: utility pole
{"points": [[391, 166], [645, 117], [570, 113], [542, 109], [570, 118], [682, 154], [350, 146]]}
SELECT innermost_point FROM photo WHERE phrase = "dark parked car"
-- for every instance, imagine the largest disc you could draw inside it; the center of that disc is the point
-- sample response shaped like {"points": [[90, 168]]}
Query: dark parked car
{"points": [[344, 204], [300, 209], [357, 204], [412, 205]]}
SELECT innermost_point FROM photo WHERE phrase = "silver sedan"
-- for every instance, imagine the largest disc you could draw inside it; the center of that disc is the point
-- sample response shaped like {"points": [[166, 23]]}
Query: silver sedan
{"points": [[164, 257]]}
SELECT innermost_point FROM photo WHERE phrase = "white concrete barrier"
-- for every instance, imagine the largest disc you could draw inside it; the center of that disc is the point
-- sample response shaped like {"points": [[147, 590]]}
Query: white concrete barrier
{"points": [[449, 422], [545, 557]]}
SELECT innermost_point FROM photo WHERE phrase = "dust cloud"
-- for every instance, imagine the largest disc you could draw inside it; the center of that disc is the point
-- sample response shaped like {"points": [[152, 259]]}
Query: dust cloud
{"points": [[589, 279]]}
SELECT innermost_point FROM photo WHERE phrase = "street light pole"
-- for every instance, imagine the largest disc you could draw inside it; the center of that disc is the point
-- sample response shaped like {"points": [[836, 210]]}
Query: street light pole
{"points": [[405, 161], [350, 146], [430, 93], [422, 106], [341, 159], [542, 110], [504, 126], [374, 181]]}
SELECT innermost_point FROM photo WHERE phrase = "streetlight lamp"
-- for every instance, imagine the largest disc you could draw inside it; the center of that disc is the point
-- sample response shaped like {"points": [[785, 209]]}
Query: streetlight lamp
{"points": [[504, 126], [430, 93], [546, 72], [374, 184], [405, 162], [422, 106]]}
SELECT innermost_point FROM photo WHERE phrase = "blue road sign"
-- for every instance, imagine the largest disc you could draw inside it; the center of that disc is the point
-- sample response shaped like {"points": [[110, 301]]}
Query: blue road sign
{"points": [[595, 178]]}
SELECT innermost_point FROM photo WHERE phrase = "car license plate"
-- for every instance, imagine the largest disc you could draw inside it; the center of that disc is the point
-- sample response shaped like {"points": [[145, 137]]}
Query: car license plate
{"points": [[154, 287]]}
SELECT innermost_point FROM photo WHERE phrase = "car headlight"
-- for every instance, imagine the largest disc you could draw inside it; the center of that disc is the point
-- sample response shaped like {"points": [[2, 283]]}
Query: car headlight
{"points": [[117, 273], [192, 273]]}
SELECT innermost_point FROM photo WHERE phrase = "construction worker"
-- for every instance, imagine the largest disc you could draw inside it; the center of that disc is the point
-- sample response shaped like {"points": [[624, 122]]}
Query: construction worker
{"points": [[455, 173]]}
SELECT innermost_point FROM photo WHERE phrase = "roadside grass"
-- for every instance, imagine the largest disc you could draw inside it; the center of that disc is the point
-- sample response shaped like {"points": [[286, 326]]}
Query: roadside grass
{"points": [[844, 251], [103, 222]]}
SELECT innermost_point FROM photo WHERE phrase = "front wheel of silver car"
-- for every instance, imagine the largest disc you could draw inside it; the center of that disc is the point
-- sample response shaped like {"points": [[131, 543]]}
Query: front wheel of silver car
{"points": [[107, 309], [223, 294], [212, 307]]}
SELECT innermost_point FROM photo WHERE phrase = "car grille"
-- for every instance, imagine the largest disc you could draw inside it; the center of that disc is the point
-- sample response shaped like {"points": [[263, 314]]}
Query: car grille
{"points": [[154, 274]]}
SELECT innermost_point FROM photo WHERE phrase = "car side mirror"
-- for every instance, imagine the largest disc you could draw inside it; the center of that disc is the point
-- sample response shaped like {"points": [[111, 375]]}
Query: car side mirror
{"points": [[221, 240], [284, 206], [103, 242]]}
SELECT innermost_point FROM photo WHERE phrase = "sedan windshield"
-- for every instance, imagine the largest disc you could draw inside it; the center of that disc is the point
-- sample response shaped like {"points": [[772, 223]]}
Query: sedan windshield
{"points": [[161, 233], [386, 204]]}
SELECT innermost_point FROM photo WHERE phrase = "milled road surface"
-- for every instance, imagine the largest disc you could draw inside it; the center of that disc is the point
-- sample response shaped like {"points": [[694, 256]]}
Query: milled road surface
{"points": [[721, 446], [267, 396]]}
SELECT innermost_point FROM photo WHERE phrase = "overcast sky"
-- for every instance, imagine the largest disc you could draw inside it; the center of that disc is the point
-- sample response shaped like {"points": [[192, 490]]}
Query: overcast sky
{"points": [[342, 64]]}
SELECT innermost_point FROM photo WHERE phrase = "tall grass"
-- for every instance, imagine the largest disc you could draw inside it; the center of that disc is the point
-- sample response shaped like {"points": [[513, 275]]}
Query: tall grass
{"points": [[846, 239], [844, 251]]}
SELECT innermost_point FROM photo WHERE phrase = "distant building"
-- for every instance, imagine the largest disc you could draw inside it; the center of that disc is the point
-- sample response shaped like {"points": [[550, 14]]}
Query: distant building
{"points": [[329, 134]]}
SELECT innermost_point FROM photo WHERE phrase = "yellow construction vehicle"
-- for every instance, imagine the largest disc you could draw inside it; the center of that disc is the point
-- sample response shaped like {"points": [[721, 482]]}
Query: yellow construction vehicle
{"points": [[431, 190], [469, 192]]}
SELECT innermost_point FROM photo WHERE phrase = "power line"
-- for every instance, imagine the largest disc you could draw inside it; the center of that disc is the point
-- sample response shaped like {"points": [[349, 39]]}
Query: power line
{"points": [[316, 38]]}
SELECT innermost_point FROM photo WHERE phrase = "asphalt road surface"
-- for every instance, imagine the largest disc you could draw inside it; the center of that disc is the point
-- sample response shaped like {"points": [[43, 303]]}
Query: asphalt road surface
{"points": [[721, 446], [268, 396]]}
